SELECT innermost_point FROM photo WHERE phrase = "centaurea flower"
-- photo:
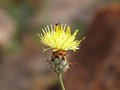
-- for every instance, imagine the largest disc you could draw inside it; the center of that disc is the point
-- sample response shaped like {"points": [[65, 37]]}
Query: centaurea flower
{"points": [[59, 39]]}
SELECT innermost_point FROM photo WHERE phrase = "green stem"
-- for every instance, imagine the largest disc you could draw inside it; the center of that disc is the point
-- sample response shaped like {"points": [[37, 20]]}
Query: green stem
{"points": [[61, 81]]}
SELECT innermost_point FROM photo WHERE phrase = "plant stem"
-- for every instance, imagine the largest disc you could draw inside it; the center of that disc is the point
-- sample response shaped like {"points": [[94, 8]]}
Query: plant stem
{"points": [[61, 81]]}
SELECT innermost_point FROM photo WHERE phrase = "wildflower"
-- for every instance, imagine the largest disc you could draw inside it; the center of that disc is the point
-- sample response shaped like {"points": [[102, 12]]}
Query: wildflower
{"points": [[59, 38]]}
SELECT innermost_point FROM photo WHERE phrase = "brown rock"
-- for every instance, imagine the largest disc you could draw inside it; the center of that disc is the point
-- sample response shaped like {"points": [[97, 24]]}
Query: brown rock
{"points": [[98, 59]]}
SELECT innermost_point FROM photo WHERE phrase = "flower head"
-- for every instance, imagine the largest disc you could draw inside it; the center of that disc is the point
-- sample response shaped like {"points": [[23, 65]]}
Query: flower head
{"points": [[59, 37]]}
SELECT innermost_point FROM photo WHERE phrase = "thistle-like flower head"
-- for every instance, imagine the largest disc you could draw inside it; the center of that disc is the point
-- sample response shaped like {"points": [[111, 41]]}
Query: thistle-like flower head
{"points": [[59, 37]]}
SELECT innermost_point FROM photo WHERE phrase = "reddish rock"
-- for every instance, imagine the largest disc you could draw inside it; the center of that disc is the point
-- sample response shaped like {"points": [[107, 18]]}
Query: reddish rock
{"points": [[98, 59]]}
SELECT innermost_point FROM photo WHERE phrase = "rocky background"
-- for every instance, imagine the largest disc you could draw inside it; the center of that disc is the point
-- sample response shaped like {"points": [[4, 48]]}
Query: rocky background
{"points": [[23, 64], [98, 65]]}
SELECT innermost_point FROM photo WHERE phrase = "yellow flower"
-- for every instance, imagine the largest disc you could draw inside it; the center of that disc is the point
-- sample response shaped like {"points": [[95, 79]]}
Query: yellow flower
{"points": [[59, 37]]}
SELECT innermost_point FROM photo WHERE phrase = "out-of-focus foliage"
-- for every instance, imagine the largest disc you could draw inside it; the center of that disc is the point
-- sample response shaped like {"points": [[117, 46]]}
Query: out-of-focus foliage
{"points": [[22, 11]]}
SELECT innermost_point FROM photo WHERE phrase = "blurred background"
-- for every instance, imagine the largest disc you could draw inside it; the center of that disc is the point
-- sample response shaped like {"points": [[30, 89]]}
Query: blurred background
{"points": [[23, 64]]}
